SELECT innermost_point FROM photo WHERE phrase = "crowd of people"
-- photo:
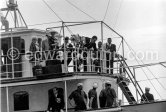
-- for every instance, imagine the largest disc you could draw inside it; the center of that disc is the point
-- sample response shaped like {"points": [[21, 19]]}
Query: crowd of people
{"points": [[107, 98], [82, 50], [83, 101]]}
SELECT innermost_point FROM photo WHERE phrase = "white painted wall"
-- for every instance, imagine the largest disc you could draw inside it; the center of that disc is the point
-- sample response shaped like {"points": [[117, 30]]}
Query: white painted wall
{"points": [[38, 94]]}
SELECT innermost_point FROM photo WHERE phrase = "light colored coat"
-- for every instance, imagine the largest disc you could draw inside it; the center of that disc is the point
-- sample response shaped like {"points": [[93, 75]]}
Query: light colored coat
{"points": [[45, 45]]}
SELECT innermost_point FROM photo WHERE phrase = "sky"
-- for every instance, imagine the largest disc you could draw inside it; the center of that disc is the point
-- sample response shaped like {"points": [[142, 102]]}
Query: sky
{"points": [[141, 23]]}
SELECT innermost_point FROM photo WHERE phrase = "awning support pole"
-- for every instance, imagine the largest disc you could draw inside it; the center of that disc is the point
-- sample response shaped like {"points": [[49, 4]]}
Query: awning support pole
{"points": [[7, 98], [66, 96]]}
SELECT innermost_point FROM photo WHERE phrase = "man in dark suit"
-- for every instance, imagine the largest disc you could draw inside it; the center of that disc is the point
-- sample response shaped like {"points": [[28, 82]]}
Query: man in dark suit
{"points": [[56, 100], [98, 62], [111, 50], [92, 44], [91, 47]]}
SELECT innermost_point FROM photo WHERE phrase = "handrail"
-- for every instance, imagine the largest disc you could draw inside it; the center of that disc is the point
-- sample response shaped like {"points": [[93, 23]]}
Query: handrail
{"points": [[50, 55], [134, 83]]}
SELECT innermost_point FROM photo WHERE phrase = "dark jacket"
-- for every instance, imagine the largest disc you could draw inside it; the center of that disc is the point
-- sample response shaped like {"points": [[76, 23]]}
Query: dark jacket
{"points": [[33, 48], [91, 45], [55, 102], [107, 97], [147, 97], [93, 94], [79, 99], [111, 48]]}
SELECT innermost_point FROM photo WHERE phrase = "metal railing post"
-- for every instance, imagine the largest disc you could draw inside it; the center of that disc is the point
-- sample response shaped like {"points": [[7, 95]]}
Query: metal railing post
{"points": [[12, 46], [0, 56], [7, 98], [135, 84], [66, 96], [101, 55], [64, 55]]}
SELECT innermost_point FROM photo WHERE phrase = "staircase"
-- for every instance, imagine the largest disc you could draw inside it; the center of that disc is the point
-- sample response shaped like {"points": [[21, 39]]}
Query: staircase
{"points": [[126, 91], [123, 85]]}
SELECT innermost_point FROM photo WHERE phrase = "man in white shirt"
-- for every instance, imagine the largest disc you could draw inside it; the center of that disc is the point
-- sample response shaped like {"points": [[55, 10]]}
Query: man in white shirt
{"points": [[111, 49]]}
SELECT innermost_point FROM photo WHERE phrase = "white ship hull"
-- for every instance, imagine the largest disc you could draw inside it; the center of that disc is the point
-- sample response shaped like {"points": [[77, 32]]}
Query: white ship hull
{"points": [[38, 94], [38, 90], [159, 106]]}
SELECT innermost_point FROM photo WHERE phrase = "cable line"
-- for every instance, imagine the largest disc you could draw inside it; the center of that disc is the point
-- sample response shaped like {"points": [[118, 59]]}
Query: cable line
{"points": [[151, 79], [117, 15], [106, 10], [142, 68], [52, 10], [43, 23], [151, 73], [80, 10], [56, 15]]}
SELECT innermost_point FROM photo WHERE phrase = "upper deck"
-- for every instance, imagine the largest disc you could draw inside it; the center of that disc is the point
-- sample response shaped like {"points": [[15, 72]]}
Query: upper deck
{"points": [[20, 62]]}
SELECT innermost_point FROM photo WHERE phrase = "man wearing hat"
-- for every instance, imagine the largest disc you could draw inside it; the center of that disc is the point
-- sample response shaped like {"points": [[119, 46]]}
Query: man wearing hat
{"points": [[53, 41], [48, 43], [92, 94], [79, 97], [107, 96], [147, 97]]}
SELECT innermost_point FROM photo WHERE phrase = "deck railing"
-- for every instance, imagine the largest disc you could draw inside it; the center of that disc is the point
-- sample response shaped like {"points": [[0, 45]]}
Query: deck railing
{"points": [[72, 60]]}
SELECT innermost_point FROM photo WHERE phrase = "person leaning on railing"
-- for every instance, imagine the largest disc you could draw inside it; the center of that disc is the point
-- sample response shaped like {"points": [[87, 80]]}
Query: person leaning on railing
{"points": [[92, 48], [85, 53], [51, 45], [46, 47], [34, 48], [92, 44], [110, 54], [69, 49], [98, 61], [77, 59]]}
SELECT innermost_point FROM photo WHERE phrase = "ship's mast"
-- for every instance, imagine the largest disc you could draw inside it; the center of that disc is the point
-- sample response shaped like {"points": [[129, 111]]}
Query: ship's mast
{"points": [[18, 19]]}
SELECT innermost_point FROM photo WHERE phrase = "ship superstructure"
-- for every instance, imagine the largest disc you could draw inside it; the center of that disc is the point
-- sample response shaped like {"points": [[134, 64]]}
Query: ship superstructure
{"points": [[25, 80]]}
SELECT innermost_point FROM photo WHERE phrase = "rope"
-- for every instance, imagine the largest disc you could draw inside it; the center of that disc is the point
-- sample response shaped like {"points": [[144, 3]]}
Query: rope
{"points": [[56, 15], [11, 15], [20, 20], [150, 64], [80, 10], [152, 74], [152, 79], [106, 10], [119, 46], [68, 29], [117, 15], [142, 69], [163, 65], [43, 23], [52, 10], [156, 78]]}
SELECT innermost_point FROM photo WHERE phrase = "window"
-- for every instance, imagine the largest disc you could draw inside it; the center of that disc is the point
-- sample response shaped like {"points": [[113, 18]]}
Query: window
{"points": [[22, 49], [19, 44], [21, 101]]}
